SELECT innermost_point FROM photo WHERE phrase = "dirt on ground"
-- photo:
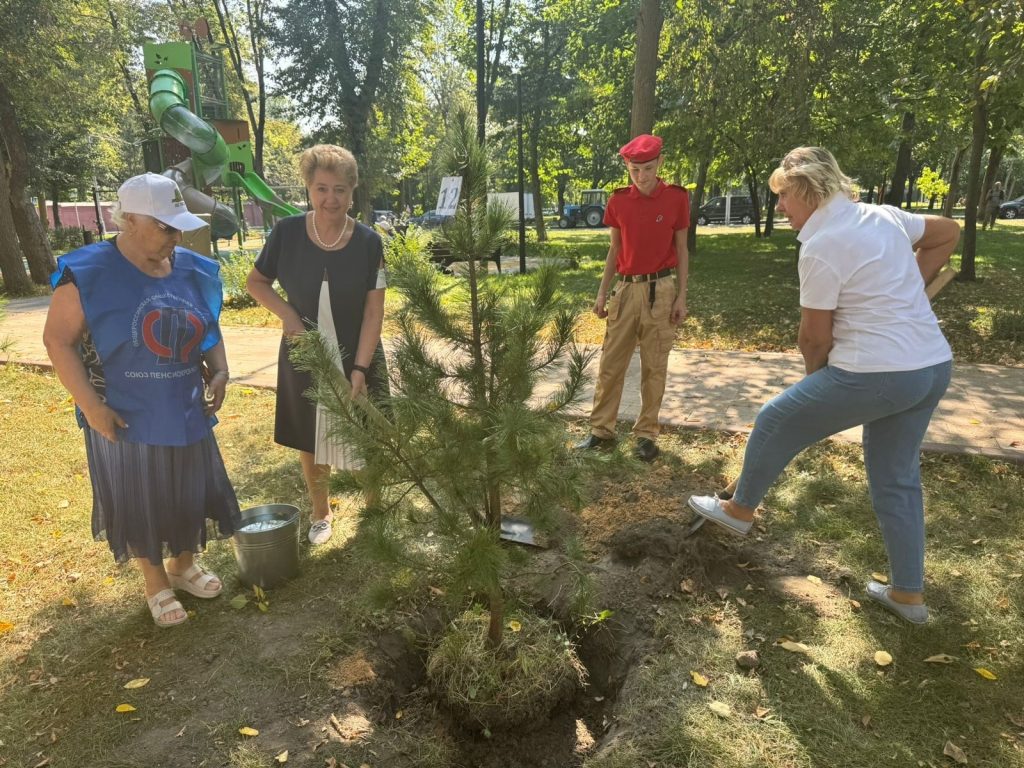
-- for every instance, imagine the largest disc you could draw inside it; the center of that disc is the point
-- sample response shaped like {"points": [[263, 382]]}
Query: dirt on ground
{"points": [[367, 702]]}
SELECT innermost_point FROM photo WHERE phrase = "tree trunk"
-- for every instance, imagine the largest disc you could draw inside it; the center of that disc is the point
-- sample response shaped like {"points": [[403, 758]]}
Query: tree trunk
{"points": [[881, 191], [55, 205], [769, 215], [645, 70], [910, 191], [496, 625], [563, 181], [903, 161], [34, 245], [995, 157], [16, 282], [979, 129], [538, 200], [44, 220], [752, 189], [698, 196], [954, 183]]}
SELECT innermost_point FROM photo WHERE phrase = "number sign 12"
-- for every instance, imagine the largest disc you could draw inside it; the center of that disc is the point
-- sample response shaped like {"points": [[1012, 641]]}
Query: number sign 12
{"points": [[448, 197]]}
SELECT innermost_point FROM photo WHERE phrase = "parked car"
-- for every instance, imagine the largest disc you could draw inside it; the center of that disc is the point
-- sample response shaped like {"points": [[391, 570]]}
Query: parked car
{"points": [[1012, 209], [429, 220], [380, 217], [741, 210]]}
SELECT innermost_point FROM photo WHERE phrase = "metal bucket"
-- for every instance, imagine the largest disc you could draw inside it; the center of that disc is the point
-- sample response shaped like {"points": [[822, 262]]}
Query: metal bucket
{"points": [[270, 556]]}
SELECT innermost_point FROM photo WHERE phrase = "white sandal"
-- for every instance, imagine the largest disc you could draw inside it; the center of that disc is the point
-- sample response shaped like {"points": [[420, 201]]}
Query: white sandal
{"points": [[194, 581], [163, 603]]}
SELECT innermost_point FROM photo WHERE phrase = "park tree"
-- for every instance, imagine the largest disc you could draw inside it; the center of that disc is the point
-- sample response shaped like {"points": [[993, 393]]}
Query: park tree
{"points": [[994, 33], [247, 57], [649, 21], [932, 184], [354, 65], [467, 437]]}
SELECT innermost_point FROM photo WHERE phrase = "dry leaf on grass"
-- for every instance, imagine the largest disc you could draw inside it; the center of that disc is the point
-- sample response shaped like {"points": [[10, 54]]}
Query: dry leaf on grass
{"points": [[883, 659], [794, 647], [940, 658], [722, 592], [953, 751], [281, 757], [245, 730], [854, 604], [5, 626], [698, 679], [814, 579], [122, 708], [762, 712], [686, 585], [720, 708], [68, 602], [515, 626], [881, 578], [138, 682], [985, 673]]}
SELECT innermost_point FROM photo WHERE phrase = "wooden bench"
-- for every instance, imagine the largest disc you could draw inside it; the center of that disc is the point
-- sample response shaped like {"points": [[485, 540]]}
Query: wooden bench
{"points": [[442, 256]]}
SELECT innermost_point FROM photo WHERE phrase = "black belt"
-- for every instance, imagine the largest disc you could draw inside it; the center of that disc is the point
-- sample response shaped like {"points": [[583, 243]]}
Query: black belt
{"points": [[647, 278]]}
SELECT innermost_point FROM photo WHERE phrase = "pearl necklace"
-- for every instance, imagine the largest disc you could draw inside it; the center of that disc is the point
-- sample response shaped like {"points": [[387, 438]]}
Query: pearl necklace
{"points": [[316, 234]]}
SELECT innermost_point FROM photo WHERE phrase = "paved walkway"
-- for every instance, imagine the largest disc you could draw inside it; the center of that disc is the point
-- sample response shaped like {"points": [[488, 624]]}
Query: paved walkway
{"points": [[982, 413]]}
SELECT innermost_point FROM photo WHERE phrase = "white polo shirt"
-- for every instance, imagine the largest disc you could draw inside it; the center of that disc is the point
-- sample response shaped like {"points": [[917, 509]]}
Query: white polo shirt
{"points": [[858, 260]]}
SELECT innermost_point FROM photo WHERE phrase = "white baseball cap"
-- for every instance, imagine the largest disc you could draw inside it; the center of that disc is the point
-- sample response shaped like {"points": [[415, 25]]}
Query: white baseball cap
{"points": [[158, 196]]}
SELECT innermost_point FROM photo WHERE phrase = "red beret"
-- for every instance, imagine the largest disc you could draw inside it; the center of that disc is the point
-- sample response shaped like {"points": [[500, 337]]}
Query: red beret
{"points": [[642, 149]]}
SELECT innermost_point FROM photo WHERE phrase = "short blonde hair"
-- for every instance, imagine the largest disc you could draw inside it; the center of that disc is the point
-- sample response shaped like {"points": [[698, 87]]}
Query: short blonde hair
{"points": [[117, 215], [329, 157], [811, 174]]}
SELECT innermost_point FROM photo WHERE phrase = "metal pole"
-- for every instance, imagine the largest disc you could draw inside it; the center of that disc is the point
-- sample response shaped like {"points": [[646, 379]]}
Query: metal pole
{"points": [[481, 90], [522, 182], [99, 214]]}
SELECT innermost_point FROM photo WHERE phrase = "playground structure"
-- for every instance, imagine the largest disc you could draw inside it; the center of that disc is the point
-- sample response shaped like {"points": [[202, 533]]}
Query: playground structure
{"points": [[199, 146]]}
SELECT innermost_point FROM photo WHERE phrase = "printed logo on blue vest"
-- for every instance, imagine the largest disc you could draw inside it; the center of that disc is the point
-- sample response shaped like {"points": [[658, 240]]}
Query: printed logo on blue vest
{"points": [[171, 334]]}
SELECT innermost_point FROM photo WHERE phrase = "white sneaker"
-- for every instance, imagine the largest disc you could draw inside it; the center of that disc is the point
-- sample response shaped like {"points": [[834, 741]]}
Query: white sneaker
{"points": [[711, 508], [320, 532]]}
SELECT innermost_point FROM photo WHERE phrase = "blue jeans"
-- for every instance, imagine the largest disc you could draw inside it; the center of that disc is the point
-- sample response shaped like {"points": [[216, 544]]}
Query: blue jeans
{"points": [[895, 409]]}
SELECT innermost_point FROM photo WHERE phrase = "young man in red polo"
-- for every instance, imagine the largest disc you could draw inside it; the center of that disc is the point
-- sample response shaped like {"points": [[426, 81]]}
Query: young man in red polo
{"points": [[648, 221]]}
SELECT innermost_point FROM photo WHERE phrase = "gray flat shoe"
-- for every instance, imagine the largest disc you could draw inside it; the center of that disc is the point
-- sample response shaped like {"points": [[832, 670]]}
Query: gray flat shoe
{"points": [[915, 614], [711, 509]]}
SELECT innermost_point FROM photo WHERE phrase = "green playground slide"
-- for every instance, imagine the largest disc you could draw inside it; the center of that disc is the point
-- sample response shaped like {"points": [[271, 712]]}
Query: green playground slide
{"points": [[168, 101], [261, 191]]}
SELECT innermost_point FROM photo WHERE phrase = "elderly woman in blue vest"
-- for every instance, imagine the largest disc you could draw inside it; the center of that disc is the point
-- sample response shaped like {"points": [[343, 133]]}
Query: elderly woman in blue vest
{"points": [[131, 331], [874, 356]]}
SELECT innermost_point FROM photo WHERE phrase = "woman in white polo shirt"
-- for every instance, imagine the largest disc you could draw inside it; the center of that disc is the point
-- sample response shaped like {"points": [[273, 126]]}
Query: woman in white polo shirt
{"points": [[874, 356]]}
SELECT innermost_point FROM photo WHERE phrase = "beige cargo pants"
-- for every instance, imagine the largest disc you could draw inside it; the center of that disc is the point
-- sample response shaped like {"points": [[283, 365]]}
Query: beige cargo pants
{"points": [[633, 320]]}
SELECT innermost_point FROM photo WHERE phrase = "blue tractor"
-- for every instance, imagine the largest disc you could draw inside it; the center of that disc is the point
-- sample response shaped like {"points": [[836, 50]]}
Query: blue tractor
{"points": [[589, 212]]}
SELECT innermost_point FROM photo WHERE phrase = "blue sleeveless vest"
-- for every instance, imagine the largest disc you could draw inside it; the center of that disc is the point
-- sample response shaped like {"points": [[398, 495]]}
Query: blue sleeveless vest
{"points": [[149, 334]]}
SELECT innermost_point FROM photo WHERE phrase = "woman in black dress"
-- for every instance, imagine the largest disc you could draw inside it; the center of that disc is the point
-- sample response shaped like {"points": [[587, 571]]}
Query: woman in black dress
{"points": [[332, 271]]}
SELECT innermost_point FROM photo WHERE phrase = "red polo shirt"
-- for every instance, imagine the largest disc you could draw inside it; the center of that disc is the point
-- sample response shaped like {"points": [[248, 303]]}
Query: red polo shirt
{"points": [[647, 225]]}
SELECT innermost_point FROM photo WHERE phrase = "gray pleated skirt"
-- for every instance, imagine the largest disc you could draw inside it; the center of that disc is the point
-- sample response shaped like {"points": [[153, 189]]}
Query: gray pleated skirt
{"points": [[157, 501]]}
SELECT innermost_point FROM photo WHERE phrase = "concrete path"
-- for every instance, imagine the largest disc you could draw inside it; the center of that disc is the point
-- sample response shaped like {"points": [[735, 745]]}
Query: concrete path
{"points": [[982, 413]]}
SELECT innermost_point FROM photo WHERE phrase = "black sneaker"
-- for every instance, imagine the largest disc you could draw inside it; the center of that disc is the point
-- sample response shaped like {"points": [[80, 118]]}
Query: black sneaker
{"points": [[595, 443], [646, 450]]}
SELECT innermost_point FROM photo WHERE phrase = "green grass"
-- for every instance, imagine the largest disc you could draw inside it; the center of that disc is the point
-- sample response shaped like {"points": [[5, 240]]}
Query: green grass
{"points": [[81, 630], [744, 293], [818, 523]]}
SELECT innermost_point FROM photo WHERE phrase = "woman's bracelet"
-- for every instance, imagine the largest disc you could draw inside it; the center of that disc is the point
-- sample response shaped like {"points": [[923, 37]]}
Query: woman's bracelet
{"points": [[361, 368]]}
